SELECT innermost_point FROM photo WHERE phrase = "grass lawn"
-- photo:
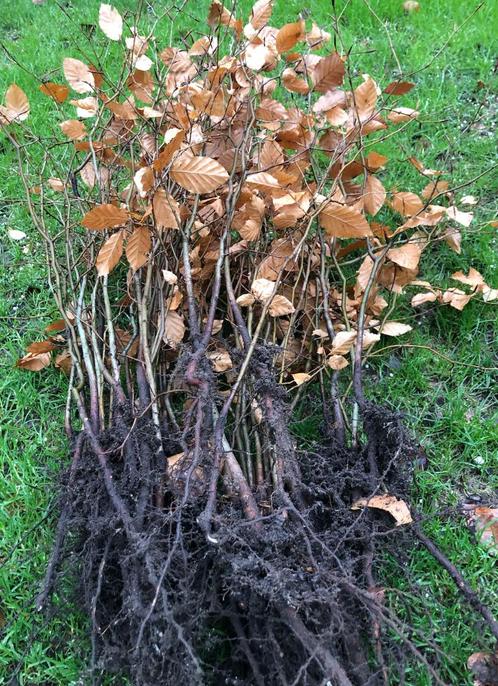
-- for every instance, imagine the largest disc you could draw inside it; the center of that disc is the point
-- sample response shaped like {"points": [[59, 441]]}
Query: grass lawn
{"points": [[442, 380]]}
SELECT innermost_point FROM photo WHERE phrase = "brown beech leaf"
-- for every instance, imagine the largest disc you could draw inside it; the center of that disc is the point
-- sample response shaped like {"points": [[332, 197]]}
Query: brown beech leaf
{"points": [[300, 378], [407, 256], [454, 297], [374, 196], [262, 289], [317, 37], [174, 329], [109, 254], [220, 360], [342, 221], [289, 35], [398, 115], [293, 82], [16, 105], [64, 362], [74, 129], [389, 503], [78, 75], [473, 278], [365, 99], [56, 91], [263, 181], [328, 73], [393, 328], [144, 180], [56, 184], [110, 22], [41, 347], [138, 247], [421, 298], [463, 218], [245, 300], [34, 362], [198, 174], [453, 238], [260, 13], [337, 362], [166, 210], [104, 217], [280, 306], [343, 342], [406, 203], [485, 522], [399, 87], [170, 278], [173, 138]]}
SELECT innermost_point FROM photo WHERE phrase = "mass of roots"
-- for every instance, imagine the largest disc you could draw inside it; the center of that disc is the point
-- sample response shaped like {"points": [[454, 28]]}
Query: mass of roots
{"points": [[287, 599]]}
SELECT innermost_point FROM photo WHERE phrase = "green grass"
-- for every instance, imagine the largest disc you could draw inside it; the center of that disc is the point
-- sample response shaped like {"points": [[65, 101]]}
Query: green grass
{"points": [[449, 406]]}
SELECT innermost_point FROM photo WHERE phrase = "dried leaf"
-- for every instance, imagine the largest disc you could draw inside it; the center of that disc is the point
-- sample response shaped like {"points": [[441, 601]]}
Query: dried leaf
{"points": [[317, 37], [398, 115], [170, 278], [289, 35], [138, 247], [56, 91], [343, 221], [246, 299], [406, 203], [34, 362], [109, 254], [293, 82], [421, 298], [174, 329], [74, 129], [463, 218], [389, 503], [411, 6], [198, 174], [16, 105], [280, 306], [144, 180], [374, 196], [393, 328], [473, 278], [399, 88], [407, 256], [343, 342], [453, 238], [166, 210], [328, 73], [220, 360], [110, 22], [456, 298], [337, 362], [78, 75], [300, 378], [365, 99], [262, 289], [260, 13], [16, 234], [104, 217]]}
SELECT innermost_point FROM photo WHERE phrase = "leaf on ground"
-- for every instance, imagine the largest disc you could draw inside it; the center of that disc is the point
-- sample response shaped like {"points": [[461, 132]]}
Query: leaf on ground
{"points": [[389, 503], [393, 328], [300, 378], [34, 362], [280, 306]]}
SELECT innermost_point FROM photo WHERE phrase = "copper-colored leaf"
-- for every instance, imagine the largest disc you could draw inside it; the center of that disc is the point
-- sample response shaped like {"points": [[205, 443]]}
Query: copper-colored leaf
{"points": [[144, 180], [394, 328], [317, 37], [389, 503], [473, 278], [173, 139], [138, 247], [110, 22], [262, 289], [398, 115], [166, 210], [56, 91], [220, 360], [109, 254], [337, 362], [263, 181], [300, 378], [343, 342], [365, 99], [399, 87], [34, 362], [289, 35], [293, 82], [342, 221], [41, 347], [328, 73], [406, 203], [280, 306], [407, 256], [454, 297], [104, 217], [421, 298], [260, 13], [374, 196], [174, 329], [78, 75], [56, 184], [198, 174], [463, 218], [74, 129], [16, 105]]}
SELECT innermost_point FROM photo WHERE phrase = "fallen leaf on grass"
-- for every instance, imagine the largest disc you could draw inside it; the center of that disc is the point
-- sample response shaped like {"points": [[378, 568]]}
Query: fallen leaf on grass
{"points": [[485, 522], [389, 503]]}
